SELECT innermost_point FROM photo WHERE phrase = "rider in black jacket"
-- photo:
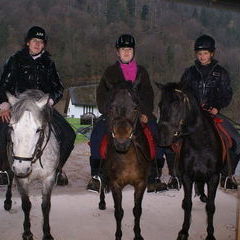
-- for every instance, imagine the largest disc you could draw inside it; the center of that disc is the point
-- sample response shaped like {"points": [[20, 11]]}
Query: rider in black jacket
{"points": [[32, 68], [210, 84]]}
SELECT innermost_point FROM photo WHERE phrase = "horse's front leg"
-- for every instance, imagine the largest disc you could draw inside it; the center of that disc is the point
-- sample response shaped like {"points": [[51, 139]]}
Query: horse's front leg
{"points": [[210, 206], [26, 207], [187, 207], [137, 210], [46, 205], [102, 203], [117, 197], [8, 201]]}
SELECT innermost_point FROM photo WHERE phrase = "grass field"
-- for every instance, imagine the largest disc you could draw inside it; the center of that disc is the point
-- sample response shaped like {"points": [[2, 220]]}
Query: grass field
{"points": [[75, 123]]}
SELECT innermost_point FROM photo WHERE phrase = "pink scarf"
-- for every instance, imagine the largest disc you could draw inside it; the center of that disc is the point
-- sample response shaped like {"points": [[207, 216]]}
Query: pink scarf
{"points": [[129, 70]]}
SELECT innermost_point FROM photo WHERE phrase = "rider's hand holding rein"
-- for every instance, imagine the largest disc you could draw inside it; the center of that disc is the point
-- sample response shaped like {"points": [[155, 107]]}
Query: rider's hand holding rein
{"points": [[144, 118], [5, 113], [213, 111]]}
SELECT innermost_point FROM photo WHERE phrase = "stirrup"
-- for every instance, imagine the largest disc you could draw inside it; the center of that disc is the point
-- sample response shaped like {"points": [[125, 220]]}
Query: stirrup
{"points": [[91, 188], [4, 178], [225, 182], [96, 177], [178, 183]]}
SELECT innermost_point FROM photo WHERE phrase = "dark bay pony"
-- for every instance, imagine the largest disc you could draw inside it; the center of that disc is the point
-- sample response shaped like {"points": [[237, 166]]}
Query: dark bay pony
{"points": [[200, 158], [33, 152], [127, 158]]}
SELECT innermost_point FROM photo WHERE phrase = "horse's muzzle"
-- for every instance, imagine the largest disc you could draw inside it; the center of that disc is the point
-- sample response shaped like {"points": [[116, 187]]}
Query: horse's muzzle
{"points": [[122, 146], [21, 172]]}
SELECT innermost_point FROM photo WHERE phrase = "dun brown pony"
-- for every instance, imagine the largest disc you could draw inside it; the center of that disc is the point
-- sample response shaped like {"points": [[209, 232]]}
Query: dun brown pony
{"points": [[201, 160], [127, 157]]}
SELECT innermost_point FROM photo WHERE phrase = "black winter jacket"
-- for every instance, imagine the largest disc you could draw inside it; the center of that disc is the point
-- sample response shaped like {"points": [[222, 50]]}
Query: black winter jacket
{"points": [[214, 89], [114, 76], [22, 72]]}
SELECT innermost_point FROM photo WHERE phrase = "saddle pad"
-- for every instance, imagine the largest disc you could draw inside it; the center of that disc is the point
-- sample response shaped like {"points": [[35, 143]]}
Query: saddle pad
{"points": [[148, 134]]}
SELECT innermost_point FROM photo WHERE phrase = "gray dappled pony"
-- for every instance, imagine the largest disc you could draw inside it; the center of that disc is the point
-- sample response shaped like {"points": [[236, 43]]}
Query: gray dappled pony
{"points": [[34, 152]]}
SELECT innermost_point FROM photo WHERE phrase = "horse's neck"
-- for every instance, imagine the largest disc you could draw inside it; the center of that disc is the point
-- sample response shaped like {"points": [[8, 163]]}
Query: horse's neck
{"points": [[202, 129]]}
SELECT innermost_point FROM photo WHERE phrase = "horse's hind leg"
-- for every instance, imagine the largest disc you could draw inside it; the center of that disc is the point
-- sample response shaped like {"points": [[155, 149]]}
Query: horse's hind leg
{"points": [[187, 207], [46, 205], [8, 201], [210, 206], [102, 203], [137, 210], [117, 198], [199, 190]]}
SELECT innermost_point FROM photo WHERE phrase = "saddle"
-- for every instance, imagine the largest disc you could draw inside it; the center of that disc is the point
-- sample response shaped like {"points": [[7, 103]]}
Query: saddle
{"points": [[226, 139], [148, 134]]}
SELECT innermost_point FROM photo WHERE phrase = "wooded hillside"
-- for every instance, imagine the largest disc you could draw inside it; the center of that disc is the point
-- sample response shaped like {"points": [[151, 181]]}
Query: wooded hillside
{"points": [[82, 34]]}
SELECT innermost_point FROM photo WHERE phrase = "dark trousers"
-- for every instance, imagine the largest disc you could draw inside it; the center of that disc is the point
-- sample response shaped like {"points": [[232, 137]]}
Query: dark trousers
{"points": [[4, 165], [65, 135], [235, 151]]}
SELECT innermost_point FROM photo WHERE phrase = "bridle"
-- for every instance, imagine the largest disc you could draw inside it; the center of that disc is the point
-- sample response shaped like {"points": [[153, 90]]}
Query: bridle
{"points": [[134, 124], [187, 107], [39, 148]]}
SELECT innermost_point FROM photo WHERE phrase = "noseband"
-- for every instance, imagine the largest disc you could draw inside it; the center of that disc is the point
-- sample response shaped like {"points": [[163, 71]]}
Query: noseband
{"points": [[133, 128]]}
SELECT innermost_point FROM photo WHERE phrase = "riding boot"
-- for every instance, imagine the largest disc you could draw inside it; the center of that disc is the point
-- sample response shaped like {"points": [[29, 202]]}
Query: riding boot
{"points": [[95, 183], [154, 180], [4, 168], [227, 180], [173, 182], [61, 177]]}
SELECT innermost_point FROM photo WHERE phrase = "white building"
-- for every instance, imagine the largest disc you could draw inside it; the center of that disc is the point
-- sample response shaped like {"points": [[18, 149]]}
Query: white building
{"points": [[82, 100]]}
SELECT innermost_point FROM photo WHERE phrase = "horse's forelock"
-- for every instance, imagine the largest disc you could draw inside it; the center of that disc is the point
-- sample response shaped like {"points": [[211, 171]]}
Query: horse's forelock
{"points": [[27, 102]]}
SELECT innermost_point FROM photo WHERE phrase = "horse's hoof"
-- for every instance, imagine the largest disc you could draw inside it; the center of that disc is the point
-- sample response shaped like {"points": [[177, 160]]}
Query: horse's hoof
{"points": [[28, 236], [48, 237], [210, 238], [7, 205], [203, 198], [182, 236], [102, 206], [138, 238], [61, 179]]}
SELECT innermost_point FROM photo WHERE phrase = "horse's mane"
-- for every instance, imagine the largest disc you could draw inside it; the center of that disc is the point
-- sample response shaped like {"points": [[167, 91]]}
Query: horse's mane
{"points": [[125, 85], [27, 102], [177, 91]]}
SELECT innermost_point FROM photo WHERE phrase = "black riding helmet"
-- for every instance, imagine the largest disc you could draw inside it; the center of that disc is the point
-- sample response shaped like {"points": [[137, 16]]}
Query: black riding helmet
{"points": [[36, 32], [125, 40], [204, 42]]}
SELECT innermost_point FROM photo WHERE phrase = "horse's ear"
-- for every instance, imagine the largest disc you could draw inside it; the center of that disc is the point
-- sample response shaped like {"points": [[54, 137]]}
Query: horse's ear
{"points": [[159, 85], [11, 99], [43, 101]]}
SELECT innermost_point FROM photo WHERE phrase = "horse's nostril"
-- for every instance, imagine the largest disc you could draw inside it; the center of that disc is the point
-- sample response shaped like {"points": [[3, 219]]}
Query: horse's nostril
{"points": [[13, 168], [28, 169]]}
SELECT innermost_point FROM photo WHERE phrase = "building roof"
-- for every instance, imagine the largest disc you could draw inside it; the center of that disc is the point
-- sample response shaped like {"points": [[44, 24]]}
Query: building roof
{"points": [[83, 95]]}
